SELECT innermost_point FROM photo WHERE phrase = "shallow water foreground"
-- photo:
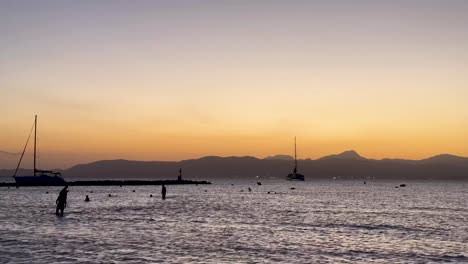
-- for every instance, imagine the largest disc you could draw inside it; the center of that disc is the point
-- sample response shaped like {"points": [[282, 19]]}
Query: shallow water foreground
{"points": [[318, 222]]}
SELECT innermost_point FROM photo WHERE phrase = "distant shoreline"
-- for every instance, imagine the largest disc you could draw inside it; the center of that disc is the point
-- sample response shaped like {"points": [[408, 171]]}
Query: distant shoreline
{"points": [[106, 183]]}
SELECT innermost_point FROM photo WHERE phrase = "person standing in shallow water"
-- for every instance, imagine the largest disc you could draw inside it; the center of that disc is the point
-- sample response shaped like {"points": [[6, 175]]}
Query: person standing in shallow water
{"points": [[61, 201], [163, 192]]}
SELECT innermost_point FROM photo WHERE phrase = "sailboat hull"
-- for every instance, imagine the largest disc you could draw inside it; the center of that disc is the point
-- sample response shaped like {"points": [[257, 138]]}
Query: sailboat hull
{"points": [[295, 177], [41, 179]]}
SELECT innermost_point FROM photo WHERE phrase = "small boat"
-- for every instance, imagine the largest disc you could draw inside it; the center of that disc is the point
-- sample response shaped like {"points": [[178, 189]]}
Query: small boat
{"points": [[295, 176], [39, 176]]}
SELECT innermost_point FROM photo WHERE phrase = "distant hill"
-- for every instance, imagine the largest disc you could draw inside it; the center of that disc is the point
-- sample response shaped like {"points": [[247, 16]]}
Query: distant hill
{"points": [[445, 159], [347, 165], [347, 155]]}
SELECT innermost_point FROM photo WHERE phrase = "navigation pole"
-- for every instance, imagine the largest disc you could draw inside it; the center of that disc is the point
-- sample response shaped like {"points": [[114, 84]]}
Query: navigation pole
{"points": [[35, 133]]}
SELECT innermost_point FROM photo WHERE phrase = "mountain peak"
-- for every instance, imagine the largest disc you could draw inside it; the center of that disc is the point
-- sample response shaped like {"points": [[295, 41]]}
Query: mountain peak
{"points": [[445, 158], [346, 155]]}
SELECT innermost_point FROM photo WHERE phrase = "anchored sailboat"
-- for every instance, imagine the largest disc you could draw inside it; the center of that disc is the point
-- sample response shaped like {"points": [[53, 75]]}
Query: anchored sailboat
{"points": [[295, 176], [40, 176]]}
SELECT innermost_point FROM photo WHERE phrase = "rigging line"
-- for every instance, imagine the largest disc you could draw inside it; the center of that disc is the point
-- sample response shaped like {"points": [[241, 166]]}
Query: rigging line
{"points": [[22, 154]]}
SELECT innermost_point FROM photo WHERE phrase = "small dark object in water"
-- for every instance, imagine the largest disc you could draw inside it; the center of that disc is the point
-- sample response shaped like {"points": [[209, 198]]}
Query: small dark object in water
{"points": [[151, 195], [292, 188], [133, 191], [46, 192], [86, 199], [241, 190], [396, 186], [402, 185], [205, 190], [268, 192], [232, 184], [110, 195], [91, 191], [364, 182], [250, 189], [259, 183]]}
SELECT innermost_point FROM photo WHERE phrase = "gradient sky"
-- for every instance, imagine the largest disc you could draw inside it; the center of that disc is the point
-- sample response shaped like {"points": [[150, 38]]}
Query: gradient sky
{"points": [[171, 80]]}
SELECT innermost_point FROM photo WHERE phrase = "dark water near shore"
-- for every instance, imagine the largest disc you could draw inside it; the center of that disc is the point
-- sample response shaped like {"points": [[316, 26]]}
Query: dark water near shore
{"points": [[318, 222]]}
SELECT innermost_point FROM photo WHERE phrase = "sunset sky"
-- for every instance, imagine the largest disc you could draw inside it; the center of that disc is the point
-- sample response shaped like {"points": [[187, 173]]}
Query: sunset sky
{"points": [[172, 80]]}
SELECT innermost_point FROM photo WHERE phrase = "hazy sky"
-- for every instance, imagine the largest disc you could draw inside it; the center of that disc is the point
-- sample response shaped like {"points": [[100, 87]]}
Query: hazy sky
{"points": [[170, 80]]}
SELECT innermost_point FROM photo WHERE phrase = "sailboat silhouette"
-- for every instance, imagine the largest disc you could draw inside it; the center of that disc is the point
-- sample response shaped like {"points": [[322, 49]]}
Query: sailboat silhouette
{"points": [[295, 176], [39, 176]]}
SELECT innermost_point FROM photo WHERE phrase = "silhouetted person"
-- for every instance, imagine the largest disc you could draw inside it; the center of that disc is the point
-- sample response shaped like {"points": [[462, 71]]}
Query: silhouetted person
{"points": [[163, 192], [61, 201], [86, 199], [179, 178], [250, 189]]}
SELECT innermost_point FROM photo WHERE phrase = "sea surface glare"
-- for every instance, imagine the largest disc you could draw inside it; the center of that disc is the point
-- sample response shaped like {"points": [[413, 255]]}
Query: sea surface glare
{"points": [[318, 222]]}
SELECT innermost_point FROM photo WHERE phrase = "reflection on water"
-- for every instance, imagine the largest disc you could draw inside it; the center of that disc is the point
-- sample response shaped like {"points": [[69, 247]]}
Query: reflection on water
{"points": [[318, 222]]}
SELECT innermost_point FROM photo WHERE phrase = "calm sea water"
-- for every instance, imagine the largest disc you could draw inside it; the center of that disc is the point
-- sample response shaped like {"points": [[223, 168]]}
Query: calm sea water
{"points": [[318, 222]]}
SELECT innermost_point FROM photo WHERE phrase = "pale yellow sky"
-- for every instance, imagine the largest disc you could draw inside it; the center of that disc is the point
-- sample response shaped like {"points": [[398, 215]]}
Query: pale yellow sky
{"points": [[174, 81]]}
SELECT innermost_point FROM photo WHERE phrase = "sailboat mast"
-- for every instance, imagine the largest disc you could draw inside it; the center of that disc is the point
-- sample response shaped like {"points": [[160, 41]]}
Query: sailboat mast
{"points": [[35, 133], [295, 154]]}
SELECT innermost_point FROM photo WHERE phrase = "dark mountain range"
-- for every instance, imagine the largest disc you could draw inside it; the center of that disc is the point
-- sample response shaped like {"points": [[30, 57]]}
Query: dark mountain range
{"points": [[347, 165]]}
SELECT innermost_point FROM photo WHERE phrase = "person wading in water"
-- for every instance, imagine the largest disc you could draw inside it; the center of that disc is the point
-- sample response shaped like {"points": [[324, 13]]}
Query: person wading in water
{"points": [[163, 192], [61, 201]]}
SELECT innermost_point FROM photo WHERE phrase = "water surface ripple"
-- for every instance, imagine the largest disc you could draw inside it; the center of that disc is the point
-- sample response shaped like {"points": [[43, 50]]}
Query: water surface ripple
{"points": [[318, 222]]}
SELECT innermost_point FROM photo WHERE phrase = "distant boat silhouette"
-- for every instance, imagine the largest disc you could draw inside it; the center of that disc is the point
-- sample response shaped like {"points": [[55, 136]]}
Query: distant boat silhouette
{"points": [[40, 176], [295, 176]]}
